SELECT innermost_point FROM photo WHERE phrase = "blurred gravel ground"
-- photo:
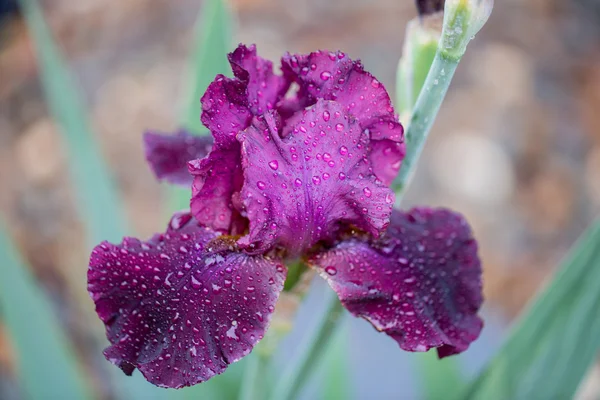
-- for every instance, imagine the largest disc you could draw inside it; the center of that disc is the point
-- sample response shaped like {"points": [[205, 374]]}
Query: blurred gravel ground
{"points": [[516, 147]]}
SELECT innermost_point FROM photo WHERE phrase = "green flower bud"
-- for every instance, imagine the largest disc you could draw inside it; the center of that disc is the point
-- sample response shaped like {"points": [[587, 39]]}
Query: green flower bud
{"points": [[462, 20]]}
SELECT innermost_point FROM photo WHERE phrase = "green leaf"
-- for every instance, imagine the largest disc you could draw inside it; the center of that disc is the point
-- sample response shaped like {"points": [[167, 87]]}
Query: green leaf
{"points": [[336, 384], [46, 366], [97, 198], [440, 379], [213, 40], [309, 351], [420, 46], [557, 339]]}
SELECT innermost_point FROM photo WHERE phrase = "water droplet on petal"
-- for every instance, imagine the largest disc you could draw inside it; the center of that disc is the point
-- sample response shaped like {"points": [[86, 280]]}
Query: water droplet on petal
{"points": [[331, 270], [273, 165]]}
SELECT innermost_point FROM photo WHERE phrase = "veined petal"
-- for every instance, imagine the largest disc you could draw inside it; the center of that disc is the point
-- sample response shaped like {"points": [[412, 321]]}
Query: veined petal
{"points": [[420, 283], [168, 155], [334, 76], [299, 188], [265, 88], [225, 112], [227, 109], [183, 305]]}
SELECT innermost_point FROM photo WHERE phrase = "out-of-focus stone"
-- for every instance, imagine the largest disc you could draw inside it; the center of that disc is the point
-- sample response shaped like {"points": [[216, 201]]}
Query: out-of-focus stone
{"points": [[39, 151], [474, 167]]}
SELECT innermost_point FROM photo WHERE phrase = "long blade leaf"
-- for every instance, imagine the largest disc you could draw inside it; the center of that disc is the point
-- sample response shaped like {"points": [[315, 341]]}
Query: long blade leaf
{"points": [[556, 341], [212, 42], [46, 366], [97, 197]]}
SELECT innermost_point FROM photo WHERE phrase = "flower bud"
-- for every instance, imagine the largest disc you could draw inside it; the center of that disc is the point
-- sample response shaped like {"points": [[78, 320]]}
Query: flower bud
{"points": [[462, 20]]}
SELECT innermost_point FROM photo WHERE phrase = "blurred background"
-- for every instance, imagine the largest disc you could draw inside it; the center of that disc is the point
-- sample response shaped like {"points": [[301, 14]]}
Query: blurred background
{"points": [[516, 147]]}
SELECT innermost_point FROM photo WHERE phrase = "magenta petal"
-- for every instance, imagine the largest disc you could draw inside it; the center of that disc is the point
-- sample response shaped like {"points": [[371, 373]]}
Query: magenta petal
{"points": [[420, 283], [227, 108], [298, 189], [218, 177], [168, 155], [265, 88], [334, 76], [184, 305]]}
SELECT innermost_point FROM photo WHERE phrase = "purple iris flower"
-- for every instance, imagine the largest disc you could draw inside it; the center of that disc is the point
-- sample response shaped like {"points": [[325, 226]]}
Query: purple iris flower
{"points": [[291, 171]]}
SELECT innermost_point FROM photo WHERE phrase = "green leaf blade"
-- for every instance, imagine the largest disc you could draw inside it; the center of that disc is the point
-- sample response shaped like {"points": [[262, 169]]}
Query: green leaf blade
{"points": [[557, 339], [213, 40], [97, 197], [46, 365]]}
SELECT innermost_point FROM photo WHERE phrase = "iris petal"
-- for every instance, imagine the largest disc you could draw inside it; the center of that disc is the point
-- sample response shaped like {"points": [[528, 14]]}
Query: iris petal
{"points": [[183, 305], [420, 283], [168, 155], [334, 76], [227, 108], [299, 188], [265, 88]]}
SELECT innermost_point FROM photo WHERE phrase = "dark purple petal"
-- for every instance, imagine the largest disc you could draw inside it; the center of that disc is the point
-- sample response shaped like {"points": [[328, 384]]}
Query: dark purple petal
{"points": [[218, 178], [168, 155], [420, 282], [298, 189], [334, 76], [183, 305], [225, 112], [227, 108], [265, 89]]}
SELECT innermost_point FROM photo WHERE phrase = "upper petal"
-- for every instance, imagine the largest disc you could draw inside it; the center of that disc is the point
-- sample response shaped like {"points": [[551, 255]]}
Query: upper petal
{"points": [[420, 283], [299, 188], [264, 87], [334, 76], [184, 305], [168, 155], [217, 180], [227, 108]]}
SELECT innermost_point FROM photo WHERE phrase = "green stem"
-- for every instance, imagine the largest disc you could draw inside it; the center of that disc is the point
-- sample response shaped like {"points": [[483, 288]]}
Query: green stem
{"points": [[311, 349], [253, 381], [424, 114]]}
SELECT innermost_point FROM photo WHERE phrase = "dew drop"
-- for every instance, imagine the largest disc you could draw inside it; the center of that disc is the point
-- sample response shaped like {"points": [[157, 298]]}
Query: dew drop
{"points": [[331, 270], [298, 182], [342, 176], [339, 127], [325, 75], [261, 185], [316, 180], [326, 116], [367, 192], [273, 165], [343, 150]]}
